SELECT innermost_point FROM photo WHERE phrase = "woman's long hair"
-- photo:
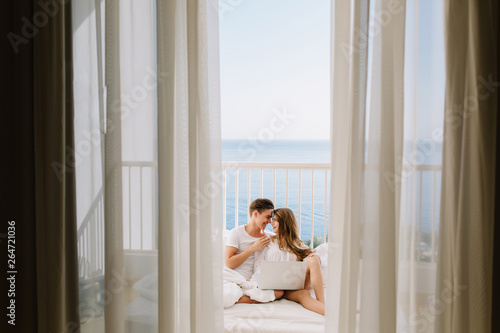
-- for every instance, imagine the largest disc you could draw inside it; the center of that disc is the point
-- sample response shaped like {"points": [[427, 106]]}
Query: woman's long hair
{"points": [[288, 238]]}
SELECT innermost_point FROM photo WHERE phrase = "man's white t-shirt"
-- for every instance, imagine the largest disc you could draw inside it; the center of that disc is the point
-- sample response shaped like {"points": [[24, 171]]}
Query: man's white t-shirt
{"points": [[240, 239]]}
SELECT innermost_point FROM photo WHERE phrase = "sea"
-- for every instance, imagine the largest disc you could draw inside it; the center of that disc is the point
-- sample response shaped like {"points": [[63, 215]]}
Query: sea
{"points": [[426, 193]]}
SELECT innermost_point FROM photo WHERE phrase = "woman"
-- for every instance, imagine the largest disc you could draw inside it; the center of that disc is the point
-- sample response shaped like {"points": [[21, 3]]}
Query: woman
{"points": [[287, 246]]}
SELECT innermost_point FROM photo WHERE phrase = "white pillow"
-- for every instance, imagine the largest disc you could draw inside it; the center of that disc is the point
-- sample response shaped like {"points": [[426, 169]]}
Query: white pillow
{"points": [[322, 252], [148, 286]]}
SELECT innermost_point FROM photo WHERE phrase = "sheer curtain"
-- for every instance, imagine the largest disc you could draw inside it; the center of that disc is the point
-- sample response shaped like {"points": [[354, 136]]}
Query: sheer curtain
{"points": [[387, 102], [189, 170], [149, 205]]}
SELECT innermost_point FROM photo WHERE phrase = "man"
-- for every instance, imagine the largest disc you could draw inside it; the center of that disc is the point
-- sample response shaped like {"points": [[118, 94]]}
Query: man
{"points": [[245, 240]]}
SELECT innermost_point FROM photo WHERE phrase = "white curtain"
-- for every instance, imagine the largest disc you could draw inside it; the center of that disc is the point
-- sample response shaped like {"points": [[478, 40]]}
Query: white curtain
{"points": [[189, 170], [362, 196], [347, 145], [383, 119], [149, 192], [89, 151]]}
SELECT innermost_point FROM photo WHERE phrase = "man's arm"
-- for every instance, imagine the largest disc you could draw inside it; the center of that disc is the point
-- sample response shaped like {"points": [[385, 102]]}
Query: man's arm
{"points": [[234, 260]]}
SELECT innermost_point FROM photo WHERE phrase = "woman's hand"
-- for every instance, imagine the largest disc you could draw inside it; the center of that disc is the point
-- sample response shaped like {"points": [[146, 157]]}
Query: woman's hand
{"points": [[314, 256], [261, 243]]}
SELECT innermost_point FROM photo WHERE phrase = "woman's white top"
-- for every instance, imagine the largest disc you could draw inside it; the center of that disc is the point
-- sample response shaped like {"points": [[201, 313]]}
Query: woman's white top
{"points": [[271, 252]]}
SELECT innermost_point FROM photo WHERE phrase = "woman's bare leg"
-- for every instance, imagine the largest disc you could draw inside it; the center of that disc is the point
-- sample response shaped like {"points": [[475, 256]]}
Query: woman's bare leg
{"points": [[314, 277], [303, 297]]}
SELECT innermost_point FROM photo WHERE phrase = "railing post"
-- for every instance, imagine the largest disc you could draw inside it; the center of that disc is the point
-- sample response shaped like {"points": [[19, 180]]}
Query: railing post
{"points": [[248, 187], [286, 189], [129, 208], [140, 191], [224, 197], [326, 194], [274, 186], [312, 209], [419, 250], [261, 182], [300, 200], [433, 231], [236, 199], [154, 223]]}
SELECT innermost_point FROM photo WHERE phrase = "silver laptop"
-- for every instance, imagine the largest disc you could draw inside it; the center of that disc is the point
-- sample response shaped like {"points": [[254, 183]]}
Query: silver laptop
{"points": [[282, 275]]}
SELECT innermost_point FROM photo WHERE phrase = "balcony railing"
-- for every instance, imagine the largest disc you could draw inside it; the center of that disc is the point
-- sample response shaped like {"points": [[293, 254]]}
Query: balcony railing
{"points": [[299, 181], [304, 187], [90, 238]]}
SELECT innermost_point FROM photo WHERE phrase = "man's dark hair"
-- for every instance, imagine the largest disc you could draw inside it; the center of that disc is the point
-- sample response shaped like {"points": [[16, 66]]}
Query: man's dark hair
{"points": [[260, 205]]}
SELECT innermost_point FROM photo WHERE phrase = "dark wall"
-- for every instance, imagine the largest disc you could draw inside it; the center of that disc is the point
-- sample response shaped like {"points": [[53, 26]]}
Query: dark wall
{"points": [[17, 196], [496, 243]]}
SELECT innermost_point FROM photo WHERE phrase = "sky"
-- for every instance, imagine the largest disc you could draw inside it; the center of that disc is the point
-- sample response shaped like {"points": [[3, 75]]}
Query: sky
{"points": [[275, 60]]}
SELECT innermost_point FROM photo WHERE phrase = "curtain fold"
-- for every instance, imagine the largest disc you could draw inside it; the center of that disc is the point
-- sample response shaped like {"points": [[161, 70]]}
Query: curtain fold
{"points": [[114, 267], [367, 146], [467, 201], [55, 194], [384, 152], [189, 182], [349, 71]]}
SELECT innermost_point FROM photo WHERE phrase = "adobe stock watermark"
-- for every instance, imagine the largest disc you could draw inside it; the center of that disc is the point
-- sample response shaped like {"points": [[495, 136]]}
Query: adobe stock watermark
{"points": [[226, 6], [422, 318], [377, 22], [457, 113], [454, 117], [278, 123], [280, 120], [40, 19], [124, 105]]}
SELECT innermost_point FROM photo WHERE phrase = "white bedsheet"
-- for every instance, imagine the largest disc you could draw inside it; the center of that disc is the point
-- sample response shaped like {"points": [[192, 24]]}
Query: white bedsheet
{"points": [[236, 286], [278, 316]]}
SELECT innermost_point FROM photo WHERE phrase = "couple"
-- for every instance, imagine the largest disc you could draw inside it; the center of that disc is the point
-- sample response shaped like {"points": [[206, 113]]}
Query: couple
{"points": [[249, 244]]}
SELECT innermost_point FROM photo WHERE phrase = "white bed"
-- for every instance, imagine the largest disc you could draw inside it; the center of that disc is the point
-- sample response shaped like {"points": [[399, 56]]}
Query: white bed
{"points": [[274, 317], [278, 316]]}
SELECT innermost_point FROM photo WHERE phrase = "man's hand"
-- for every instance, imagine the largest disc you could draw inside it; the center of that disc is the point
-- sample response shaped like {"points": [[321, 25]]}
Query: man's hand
{"points": [[261, 243]]}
